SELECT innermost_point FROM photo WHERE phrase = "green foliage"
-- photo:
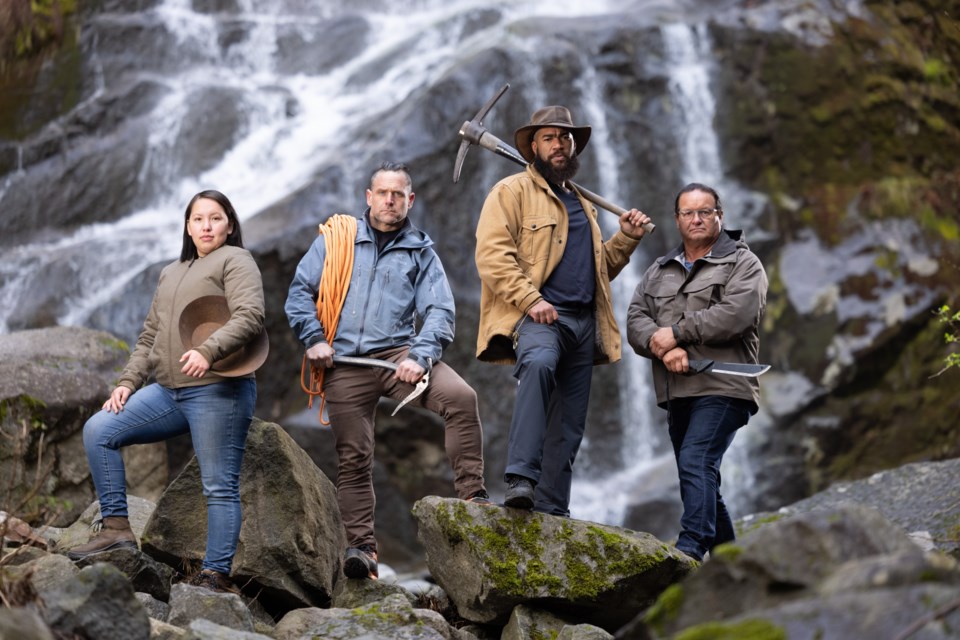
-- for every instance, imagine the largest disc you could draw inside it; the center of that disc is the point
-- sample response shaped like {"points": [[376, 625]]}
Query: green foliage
{"points": [[951, 336]]}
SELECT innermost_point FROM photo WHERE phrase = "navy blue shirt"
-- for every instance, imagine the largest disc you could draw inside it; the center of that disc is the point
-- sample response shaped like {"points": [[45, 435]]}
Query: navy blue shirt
{"points": [[574, 280]]}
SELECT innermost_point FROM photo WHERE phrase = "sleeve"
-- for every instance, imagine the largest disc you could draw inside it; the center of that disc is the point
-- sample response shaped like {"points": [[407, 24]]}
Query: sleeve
{"points": [[497, 255], [641, 317], [301, 305], [436, 307], [617, 251], [243, 289], [740, 308]]}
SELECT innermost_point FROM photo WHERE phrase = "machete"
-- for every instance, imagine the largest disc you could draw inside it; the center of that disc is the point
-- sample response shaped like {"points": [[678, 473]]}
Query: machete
{"points": [[385, 364], [727, 368]]}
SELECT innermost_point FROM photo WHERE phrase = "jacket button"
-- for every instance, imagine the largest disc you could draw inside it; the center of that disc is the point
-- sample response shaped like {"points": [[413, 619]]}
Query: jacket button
{"points": [[533, 226]]}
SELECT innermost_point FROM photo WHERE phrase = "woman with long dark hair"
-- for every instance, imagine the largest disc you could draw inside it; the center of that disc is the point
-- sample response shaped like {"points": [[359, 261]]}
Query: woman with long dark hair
{"points": [[200, 387]]}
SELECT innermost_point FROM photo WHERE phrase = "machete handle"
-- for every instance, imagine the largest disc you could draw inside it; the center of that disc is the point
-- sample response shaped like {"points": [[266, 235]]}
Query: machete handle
{"points": [[698, 366]]}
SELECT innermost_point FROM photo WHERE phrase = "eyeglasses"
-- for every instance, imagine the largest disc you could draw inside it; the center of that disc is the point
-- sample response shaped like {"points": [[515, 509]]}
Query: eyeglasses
{"points": [[703, 214]]}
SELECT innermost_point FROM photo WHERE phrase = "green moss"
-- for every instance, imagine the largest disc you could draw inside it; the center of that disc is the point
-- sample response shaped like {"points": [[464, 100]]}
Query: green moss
{"points": [[756, 523], [746, 630], [115, 344], [513, 547], [373, 616], [23, 407], [665, 609], [728, 552]]}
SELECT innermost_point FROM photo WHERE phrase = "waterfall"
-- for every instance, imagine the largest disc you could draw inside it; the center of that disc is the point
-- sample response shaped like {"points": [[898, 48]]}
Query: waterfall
{"points": [[295, 123], [602, 499], [277, 153]]}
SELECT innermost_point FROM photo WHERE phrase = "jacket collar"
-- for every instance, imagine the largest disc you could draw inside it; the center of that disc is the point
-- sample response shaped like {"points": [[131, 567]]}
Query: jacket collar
{"points": [[410, 237], [728, 242]]}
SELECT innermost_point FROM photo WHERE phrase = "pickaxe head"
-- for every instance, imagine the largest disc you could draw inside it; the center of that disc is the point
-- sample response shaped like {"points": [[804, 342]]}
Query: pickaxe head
{"points": [[473, 131]]}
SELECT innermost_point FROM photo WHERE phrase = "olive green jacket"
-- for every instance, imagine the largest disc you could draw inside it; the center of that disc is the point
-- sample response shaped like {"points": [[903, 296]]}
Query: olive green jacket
{"points": [[228, 271], [716, 308], [521, 237]]}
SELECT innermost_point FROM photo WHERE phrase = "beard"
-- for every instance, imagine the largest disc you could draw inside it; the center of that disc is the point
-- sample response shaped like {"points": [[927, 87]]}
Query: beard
{"points": [[560, 175]]}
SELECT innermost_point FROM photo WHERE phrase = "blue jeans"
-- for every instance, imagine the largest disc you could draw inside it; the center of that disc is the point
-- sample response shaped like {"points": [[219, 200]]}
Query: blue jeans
{"points": [[701, 430], [216, 415], [554, 371]]}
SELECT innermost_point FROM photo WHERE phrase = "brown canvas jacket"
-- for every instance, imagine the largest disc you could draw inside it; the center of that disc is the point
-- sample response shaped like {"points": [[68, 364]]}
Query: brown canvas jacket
{"points": [[521, 237], [228, 271]]}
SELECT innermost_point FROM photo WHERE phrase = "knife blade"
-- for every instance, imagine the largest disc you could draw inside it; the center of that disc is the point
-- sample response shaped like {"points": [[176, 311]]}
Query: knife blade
{"points": [[727, 368]]}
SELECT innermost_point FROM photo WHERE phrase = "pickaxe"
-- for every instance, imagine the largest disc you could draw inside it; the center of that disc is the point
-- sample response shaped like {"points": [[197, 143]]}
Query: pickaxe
{"points": [[473, 132], [392, 366]]}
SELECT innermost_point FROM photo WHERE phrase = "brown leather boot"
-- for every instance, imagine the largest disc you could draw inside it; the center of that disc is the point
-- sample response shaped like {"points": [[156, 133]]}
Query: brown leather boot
{"points": [[115, 533]]}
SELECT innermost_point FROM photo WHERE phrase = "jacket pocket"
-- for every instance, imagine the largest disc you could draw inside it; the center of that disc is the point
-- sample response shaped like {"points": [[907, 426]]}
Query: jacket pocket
{"points": [[707, 287], [536, 234]]}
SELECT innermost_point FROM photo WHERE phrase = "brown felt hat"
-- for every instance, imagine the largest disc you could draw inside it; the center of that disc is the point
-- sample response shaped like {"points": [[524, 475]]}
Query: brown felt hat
{"points": [[205, 315], [554, 116]]}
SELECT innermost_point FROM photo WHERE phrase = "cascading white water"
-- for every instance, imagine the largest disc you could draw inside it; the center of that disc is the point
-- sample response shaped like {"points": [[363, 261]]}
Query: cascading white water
{"points": [[603, 499], [413, 46]]}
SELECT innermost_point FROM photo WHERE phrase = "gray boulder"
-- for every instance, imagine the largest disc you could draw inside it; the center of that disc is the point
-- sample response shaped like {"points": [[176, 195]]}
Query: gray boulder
{"points": [[20, 623], [490, 560], [527, 623], [393, 617], [842, 573], [156, 609], [46, 574], [291, 538], [51, 381], [914, 496], [160, 630], [146, 575], [206, 630], [98, 603], [188, 603]]}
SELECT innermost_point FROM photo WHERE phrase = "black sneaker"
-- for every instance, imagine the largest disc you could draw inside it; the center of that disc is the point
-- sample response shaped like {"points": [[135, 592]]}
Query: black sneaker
{"points": [[360, 563], [519, 494], [481, 497]]}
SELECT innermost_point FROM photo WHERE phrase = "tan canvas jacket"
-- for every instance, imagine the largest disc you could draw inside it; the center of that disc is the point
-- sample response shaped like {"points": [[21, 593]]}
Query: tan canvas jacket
{"points": [[521, 237]]}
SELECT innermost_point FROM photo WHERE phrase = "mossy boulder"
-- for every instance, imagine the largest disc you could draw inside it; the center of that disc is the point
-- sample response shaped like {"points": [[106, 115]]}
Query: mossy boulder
{"points": [[491, 559], [786, 578]]}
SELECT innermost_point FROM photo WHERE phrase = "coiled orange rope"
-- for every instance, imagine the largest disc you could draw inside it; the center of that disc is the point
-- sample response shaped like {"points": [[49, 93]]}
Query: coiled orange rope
{"points": [[340, 231]]}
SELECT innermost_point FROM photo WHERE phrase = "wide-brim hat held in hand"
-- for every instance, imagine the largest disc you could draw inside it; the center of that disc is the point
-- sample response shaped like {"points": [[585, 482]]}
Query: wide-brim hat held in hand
{"points": [[201, 317], [553, 116]]}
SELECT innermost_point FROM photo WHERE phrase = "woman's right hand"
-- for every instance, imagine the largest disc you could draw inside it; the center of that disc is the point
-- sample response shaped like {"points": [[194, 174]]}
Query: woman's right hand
{"points": [[117, 399]]}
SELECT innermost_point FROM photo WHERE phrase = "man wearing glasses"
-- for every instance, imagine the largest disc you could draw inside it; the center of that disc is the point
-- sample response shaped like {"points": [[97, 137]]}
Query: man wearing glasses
{"points": [[703, 300], [545, 304]]}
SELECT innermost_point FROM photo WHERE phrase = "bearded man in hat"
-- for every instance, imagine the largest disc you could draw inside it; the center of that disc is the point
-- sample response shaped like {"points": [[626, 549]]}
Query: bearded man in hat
{"points": [[546, 304]]}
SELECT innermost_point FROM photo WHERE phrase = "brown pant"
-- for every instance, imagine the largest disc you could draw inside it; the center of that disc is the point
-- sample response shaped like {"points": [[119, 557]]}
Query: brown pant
{"points": [[352, 394]]}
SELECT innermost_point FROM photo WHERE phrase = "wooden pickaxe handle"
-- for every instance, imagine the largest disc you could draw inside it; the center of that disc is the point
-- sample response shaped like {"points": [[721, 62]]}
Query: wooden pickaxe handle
{"points": [[473, 132]]}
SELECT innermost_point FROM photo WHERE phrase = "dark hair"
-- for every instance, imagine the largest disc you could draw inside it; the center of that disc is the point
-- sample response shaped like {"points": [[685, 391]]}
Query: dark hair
{"points": [[234, 239], [397, 167], [696, 186]]}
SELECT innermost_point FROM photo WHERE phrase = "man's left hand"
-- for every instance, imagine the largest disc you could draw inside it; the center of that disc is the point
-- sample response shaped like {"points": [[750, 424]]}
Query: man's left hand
{"points": [[409, 371], [631, 223]]}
